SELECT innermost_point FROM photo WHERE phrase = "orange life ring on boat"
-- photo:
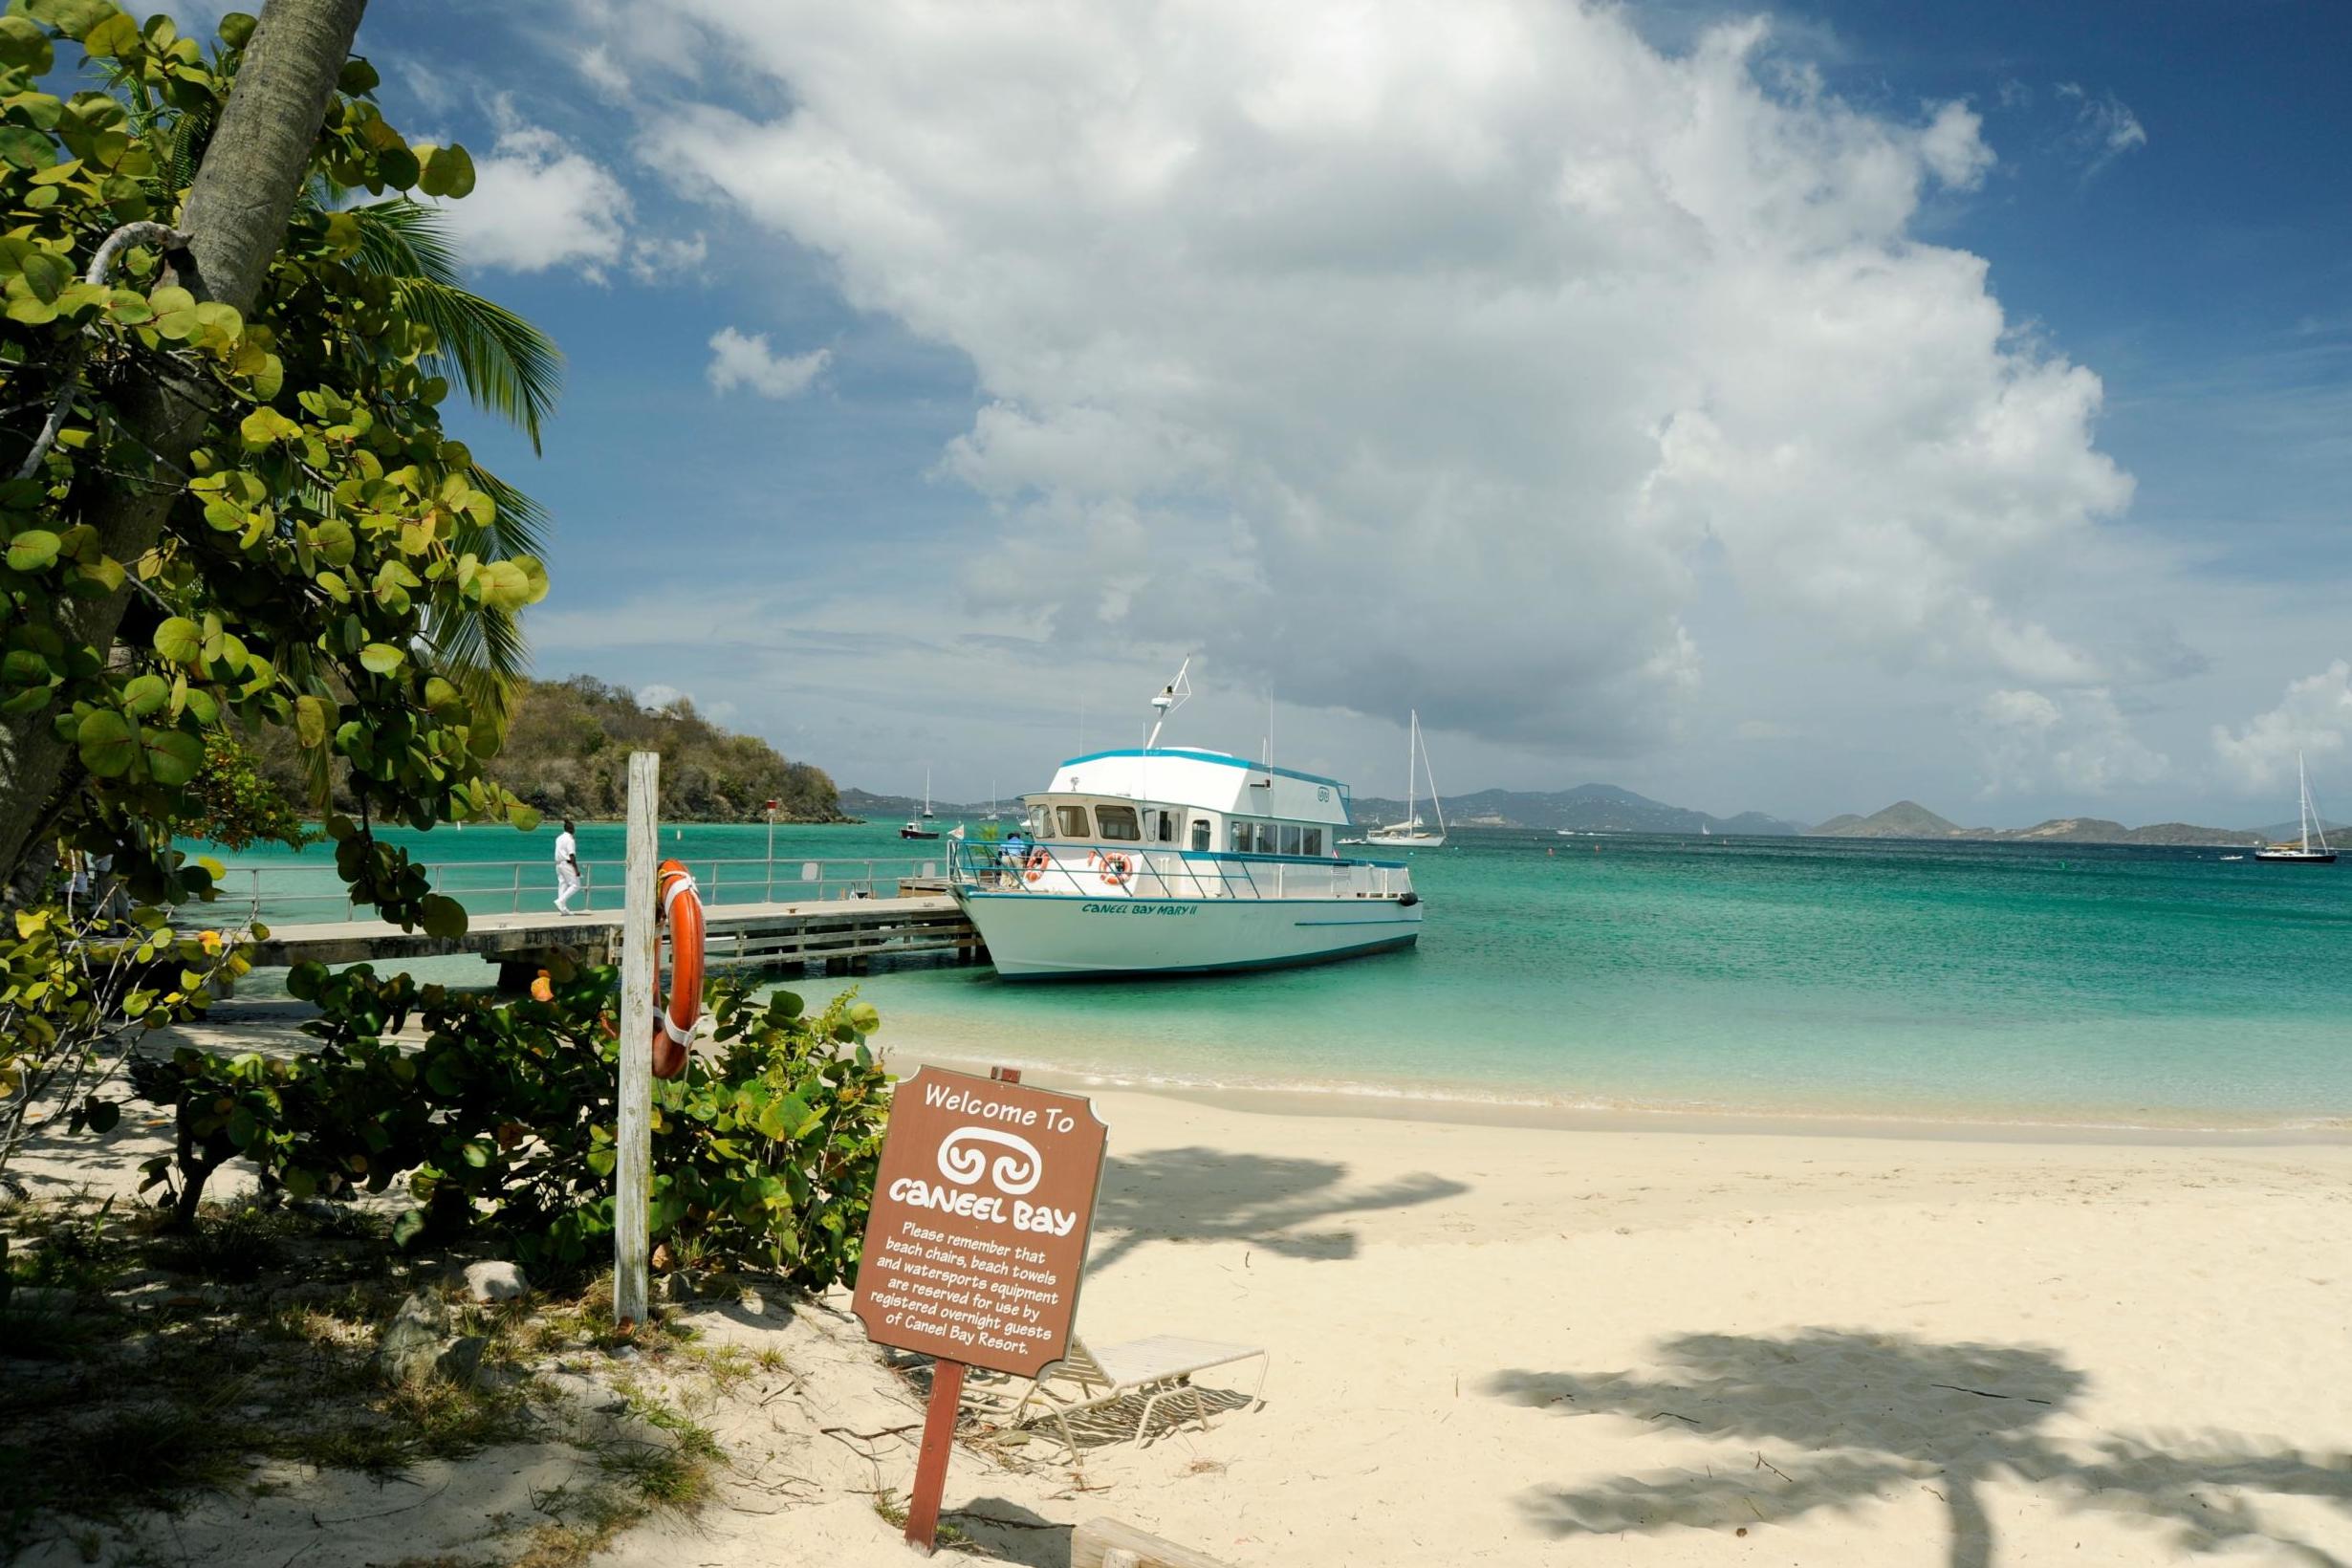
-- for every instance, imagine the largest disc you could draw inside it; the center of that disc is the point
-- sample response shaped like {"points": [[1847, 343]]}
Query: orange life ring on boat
{"points": [[1117, 869], [673, 1026], [1040, 860]]}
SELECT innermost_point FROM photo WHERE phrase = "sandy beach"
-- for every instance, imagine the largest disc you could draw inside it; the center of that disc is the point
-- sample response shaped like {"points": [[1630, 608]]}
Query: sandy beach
{"points": [[1492, 1343], [1632, 1342]]}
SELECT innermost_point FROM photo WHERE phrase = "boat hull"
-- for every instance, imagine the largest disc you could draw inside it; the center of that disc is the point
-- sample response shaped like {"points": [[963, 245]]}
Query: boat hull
{"points": [[1032, 936], [2296, 858]]}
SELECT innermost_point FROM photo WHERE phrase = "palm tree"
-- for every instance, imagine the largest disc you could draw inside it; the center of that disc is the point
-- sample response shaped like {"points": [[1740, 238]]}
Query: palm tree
{"points": [[238, 199], [503, 363], [509, 368]]}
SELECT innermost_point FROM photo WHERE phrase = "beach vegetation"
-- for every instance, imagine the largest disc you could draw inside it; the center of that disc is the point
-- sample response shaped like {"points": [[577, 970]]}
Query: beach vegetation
{"points": [[145, 1387], [505, 1118], [230, 517], [237, 805], [78, 985], [291, 542]]}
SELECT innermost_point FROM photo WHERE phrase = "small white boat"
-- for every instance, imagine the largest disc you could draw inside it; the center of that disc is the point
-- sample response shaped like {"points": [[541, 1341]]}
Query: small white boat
{"points": [[1412, 833], [1179, 860], [2302, 853]]}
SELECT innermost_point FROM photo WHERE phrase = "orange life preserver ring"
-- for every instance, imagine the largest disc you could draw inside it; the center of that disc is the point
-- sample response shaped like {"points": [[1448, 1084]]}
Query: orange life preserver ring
{"points": [[1040, 860], [1117, 869], [673, 1026]]}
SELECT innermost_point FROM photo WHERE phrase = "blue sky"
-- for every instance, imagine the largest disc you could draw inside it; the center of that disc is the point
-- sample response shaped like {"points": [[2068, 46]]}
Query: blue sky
{"points": [[1788, 410]]}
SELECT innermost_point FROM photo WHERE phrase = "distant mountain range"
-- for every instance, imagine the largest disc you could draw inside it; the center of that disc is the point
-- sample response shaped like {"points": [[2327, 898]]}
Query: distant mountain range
{"points": [[1909, 820], [1604, 808], [1588, 808], [873, 808]]}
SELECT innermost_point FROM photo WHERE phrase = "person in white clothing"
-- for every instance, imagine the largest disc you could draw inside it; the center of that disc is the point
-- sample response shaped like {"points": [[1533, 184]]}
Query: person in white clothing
{"points": [[567, 868]]}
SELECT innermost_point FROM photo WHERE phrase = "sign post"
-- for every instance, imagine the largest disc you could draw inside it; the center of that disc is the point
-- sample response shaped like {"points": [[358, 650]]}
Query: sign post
{"points": [[633, 1137], [982, 1205]]}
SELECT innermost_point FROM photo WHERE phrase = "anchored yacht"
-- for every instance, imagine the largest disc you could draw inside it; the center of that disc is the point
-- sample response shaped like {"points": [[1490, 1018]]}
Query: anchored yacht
{"points": [[1179, 860], [2302, 851]]}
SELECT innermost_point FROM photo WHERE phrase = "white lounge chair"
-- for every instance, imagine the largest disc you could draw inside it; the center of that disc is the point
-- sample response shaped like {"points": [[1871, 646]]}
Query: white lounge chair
{"points": [[1160, 1368]]}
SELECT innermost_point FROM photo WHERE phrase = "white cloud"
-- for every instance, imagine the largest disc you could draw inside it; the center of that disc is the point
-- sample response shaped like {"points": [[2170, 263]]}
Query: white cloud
{"points": [[2314, 719], [1953, 147], [602, 71], [2104, 127], [2080, 741], [745, 360], [1419, 353], [656, 259], [537, 202]]}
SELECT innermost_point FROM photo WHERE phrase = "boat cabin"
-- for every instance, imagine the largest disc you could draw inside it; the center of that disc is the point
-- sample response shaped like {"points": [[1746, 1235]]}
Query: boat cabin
{"points": [[1196, 801]]}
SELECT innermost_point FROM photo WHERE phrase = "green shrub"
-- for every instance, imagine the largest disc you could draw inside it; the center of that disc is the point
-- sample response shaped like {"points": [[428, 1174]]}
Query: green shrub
{"points": [[763, 1151], [77, 988]]}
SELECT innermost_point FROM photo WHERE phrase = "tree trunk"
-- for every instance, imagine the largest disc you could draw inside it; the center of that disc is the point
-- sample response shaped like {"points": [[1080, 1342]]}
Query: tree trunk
{"points": [[236, 216]]}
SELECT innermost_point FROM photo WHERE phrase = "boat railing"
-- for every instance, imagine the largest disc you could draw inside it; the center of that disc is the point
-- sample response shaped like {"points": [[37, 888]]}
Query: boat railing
{"points": [[298, 895], [1151, 872]]}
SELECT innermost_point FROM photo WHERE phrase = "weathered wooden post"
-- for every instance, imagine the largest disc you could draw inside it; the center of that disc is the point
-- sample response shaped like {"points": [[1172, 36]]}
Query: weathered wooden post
{"points": [[634, 1135]]}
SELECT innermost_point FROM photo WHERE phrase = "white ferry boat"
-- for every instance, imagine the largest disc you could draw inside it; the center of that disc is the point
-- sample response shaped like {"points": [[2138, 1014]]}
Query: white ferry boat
{"points": [[1179, 861]]}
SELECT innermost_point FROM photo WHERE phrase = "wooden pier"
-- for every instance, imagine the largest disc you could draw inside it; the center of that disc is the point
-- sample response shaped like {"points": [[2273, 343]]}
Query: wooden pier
{"points": [[843, 934]]}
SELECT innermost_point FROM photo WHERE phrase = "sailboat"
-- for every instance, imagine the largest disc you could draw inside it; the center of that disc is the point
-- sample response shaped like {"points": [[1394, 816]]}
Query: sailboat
{"points": [[2302, 853], [1412, 833], [921, 827]]}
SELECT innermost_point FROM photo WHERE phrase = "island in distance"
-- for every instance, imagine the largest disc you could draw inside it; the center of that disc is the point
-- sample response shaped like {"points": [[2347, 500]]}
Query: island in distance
{"points": [[1605, 808], [1909, 820]]}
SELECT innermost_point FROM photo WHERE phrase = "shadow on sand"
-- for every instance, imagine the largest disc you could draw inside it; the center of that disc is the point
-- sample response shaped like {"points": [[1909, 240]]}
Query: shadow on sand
{"points": [[1285, 1206], [1876, 1412]]}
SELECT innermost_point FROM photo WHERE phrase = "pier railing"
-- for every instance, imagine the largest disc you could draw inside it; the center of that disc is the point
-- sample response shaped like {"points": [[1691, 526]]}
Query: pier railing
{"points": [[1158, 872], [296, 895]]}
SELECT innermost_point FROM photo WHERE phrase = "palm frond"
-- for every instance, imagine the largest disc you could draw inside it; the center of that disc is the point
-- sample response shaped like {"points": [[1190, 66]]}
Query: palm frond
{"points": [[484, 653], [505, 365], [404, 238], [520, 528]]}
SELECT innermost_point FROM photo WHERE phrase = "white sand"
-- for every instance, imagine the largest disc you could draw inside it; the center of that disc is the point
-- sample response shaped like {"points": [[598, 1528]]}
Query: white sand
{"points": [[1502, 1344], [1492, 1341]]}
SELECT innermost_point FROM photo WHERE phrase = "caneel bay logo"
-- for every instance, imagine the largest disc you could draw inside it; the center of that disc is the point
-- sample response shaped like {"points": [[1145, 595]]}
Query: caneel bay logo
{"points": [[1015, 1174], [964, 1160]]}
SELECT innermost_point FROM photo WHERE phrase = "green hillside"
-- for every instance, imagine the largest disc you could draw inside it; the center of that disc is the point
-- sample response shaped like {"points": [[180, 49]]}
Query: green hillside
{"points": [[568, 753]]}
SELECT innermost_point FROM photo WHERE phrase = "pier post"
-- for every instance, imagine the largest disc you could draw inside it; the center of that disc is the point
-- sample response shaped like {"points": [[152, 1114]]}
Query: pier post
{"points": [[634, 1168]]}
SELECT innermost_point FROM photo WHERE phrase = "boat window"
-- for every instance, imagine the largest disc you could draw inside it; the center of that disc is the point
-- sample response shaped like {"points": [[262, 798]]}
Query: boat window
{"points": [[1311, 842], [1266, 840], [1240, 833], [1118, 822], [1290, 837], [1164, 828], [1072, 820], [1201, 831], [1040, 821]]}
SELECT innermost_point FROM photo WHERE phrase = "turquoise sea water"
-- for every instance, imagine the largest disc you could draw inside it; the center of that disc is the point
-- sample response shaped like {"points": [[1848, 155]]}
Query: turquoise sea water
{"points": [[2059, 983]]}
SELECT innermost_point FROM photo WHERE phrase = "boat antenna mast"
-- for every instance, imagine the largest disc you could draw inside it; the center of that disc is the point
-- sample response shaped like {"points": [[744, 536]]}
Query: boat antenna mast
{"points": [[1168, 699]]}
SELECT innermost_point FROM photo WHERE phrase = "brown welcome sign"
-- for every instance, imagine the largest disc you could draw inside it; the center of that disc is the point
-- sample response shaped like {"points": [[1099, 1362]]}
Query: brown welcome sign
{"points": [[976, 1239]]}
